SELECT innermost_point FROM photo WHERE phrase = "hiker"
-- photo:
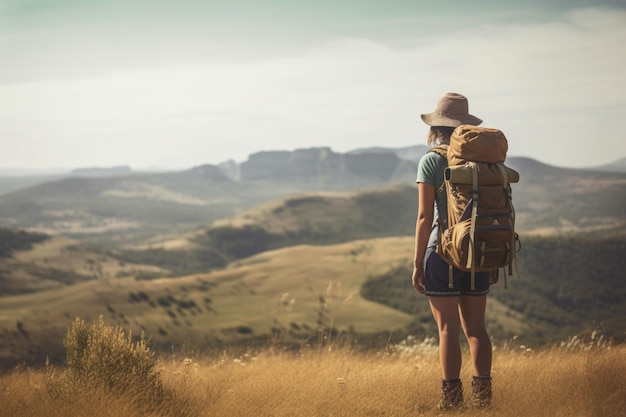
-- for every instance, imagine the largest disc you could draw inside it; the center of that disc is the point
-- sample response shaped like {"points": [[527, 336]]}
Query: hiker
{"points": [[454, 305]]}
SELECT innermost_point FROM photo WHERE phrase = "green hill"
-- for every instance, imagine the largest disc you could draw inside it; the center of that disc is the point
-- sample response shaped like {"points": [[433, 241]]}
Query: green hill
{"points": [[564, 286], [262, 296], [550, 201], [12, 240], [359, 289], [33, 262]]}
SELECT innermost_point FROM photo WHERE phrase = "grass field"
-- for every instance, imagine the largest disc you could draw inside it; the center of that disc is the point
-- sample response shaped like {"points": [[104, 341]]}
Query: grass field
{"points": [[575, 380]]}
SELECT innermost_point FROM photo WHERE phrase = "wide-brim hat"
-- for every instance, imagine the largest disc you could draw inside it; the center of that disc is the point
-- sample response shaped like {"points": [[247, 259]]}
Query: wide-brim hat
{"points": [[452, 110]]}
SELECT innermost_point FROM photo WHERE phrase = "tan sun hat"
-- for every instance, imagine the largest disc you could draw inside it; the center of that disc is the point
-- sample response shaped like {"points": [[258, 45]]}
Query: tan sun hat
{"points": [[452, 110]]}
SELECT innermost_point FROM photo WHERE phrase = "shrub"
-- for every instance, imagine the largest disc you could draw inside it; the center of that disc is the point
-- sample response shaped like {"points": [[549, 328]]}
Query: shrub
{"points": [[101, 356], [241, 242], [12, 240]]}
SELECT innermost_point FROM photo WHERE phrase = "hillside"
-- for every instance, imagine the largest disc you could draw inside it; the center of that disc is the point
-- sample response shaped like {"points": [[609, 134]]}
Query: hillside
{"points": [[359, 289], [33, 262], [617, 166], [548, 200], [135, 206], [140, 206], [11, 183], [564, 286], [249, 300], [16, 240]]}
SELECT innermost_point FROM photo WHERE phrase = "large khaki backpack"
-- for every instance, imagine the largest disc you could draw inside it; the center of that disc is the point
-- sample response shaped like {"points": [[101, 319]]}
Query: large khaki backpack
{"points": [[480, 234]]}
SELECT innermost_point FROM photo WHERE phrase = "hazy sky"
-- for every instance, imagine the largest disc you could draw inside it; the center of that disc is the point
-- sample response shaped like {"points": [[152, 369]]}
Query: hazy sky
{"points": [[175, 84]]}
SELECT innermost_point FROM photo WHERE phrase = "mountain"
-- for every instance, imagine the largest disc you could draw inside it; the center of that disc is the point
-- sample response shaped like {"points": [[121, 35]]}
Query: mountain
{"points": [[326, 168], [11, 183], [617, 166], [136, 206], [101, 172], [562, 199], [547, 200], [410, 153], [101, 206], [143, 207]]}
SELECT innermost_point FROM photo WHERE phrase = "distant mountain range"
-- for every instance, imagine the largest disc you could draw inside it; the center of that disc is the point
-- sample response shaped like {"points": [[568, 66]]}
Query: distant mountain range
{"points": [[255, 167], [99, 172], [134, 206], [617, 166]]}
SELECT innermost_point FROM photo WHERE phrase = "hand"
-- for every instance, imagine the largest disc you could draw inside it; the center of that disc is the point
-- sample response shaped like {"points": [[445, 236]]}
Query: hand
{"points": [[418, 279]]}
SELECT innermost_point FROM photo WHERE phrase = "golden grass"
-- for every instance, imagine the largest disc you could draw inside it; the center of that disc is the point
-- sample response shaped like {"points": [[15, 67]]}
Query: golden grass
{"points": [[402, 381]]}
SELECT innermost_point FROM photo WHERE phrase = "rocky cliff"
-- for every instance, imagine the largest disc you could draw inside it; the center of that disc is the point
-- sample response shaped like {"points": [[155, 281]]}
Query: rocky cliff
{"points": [[377, 167]]}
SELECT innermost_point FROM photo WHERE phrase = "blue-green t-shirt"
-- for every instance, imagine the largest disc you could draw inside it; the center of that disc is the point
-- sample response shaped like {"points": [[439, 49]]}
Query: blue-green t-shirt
{"points": [[431, 171]]}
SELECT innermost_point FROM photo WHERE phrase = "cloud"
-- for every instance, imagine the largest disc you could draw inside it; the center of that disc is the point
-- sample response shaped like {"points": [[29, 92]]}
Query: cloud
{"points": [[191, 101]]}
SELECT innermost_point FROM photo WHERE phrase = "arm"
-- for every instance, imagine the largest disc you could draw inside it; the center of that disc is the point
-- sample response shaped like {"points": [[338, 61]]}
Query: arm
{"points": [[423, 226]]}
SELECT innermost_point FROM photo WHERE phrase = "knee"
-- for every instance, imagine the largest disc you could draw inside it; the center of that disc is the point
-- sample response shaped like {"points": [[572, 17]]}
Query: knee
{"points": [[447, 330], [477, 332]]}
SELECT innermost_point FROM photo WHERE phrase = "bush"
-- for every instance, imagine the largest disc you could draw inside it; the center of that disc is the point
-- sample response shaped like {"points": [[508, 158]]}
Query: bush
{"points": [[13, 240], [101, 356], [241, 242]]}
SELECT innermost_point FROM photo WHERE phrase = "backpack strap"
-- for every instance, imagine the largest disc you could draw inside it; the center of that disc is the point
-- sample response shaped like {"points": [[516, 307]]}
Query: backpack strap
{"points": [[442, 150], [471, 264], [506, 187]]}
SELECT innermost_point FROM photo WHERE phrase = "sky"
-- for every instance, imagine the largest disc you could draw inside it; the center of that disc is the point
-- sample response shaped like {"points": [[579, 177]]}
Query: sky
{"points": [[175, 84]]}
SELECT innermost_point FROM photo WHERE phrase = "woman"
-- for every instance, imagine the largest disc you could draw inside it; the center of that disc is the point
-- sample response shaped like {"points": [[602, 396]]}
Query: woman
{"points": [[458, 307]]}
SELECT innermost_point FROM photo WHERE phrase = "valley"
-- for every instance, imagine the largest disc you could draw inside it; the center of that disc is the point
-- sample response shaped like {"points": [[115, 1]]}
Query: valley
{"points": [[200, 260]]}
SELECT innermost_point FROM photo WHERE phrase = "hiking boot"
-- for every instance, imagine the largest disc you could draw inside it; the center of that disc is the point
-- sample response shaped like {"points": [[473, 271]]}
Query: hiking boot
{"points": [[451, 395], [481, 392]]}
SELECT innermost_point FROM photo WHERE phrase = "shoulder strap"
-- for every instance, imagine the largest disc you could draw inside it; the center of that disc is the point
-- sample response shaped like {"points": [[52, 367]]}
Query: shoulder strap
{"points": [[441, 150], [471, 263], [506, 186]]}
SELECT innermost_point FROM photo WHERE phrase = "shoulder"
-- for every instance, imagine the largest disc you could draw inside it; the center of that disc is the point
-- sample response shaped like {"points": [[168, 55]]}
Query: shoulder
{"points": [[430, 164], [434, 157]]}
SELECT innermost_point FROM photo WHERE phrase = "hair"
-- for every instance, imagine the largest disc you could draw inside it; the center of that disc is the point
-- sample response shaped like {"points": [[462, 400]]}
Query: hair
{"points": [[438, 135]]}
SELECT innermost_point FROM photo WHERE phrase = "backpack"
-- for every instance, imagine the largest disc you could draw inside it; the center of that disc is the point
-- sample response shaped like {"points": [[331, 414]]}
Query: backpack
{"points": [[480, 234]]}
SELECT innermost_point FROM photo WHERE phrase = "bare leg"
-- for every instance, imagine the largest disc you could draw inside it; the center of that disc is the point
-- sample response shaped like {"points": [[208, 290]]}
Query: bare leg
{"points": [[446, 313], [472, 309]]}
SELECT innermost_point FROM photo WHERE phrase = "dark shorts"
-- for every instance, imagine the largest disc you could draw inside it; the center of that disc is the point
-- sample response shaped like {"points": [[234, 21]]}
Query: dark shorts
{"points": [[436, 278]]}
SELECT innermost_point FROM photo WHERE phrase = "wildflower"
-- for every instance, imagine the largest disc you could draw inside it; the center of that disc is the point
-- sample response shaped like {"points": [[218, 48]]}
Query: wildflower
{"points": [[342, 383]]}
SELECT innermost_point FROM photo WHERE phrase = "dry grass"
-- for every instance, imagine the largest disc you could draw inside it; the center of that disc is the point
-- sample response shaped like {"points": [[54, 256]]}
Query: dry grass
{"points": [[403, 381]]}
